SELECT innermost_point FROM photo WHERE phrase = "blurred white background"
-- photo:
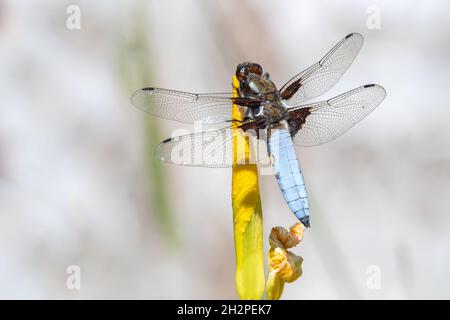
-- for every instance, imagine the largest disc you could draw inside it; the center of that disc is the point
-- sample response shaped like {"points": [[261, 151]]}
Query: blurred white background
{"points": [[78, 185]]}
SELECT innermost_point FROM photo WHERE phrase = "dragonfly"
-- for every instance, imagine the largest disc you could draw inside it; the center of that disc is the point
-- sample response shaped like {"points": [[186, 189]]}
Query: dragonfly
{"points": [[282, 115]]}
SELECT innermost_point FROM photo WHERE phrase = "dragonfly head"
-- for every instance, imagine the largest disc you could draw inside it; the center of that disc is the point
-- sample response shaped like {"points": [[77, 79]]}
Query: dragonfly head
{"points": [[246, 69]]}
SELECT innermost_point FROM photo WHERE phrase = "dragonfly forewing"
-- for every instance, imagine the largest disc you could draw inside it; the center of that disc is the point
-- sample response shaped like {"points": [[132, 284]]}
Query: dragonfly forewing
{"points": [[323, 75]]}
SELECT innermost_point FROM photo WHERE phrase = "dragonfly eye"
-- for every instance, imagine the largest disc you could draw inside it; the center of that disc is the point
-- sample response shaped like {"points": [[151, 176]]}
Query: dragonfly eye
{"points": [[256, 69], [241, 73], [247, 68]]}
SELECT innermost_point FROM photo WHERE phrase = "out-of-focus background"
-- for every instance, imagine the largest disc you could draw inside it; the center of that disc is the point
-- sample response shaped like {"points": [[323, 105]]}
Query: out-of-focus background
{"points": [[80, 190]]}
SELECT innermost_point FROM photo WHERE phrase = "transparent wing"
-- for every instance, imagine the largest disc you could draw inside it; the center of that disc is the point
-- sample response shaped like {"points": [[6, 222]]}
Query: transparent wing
{"points": [[320, 122], [323, 75], [212, 149], [183, 106]]}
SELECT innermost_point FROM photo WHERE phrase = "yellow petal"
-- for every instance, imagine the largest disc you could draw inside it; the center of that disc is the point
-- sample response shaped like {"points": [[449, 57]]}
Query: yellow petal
{"points": [[297, 231], [275, 286], [282, 238], [285, 263], [247, 217], [277, 259], [293, 269]]}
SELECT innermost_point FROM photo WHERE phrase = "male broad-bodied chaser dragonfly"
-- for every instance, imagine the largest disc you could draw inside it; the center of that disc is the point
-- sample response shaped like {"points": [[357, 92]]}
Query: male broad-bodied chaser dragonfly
{"points": [[280, 114]]}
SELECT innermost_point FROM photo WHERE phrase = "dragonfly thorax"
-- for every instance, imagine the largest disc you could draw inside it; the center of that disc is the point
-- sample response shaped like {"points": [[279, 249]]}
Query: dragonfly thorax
{"points": [[256, 84], [253, 83], [262, 86], [274, 113]]}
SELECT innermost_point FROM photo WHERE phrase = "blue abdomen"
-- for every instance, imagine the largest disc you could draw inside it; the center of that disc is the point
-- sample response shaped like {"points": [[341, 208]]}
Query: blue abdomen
{"points": [[288, 173]]}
